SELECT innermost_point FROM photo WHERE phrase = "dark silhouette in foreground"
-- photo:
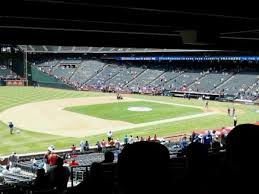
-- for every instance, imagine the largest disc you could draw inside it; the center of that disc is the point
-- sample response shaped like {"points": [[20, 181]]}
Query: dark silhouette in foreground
{"points": [[242, 157], [143, 168]]}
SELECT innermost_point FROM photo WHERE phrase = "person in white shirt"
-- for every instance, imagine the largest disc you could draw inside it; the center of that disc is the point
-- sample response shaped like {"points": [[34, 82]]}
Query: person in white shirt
{"points": [[82, 146], [109, 136], [136, 139], [117, 144], [131, 140]]}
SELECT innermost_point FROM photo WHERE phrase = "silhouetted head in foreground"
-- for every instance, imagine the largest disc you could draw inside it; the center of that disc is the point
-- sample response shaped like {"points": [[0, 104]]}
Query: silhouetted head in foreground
{"points": [[197, 151], [242, 147], [143, 167], [59, 162], [108, 157], [197, 155], [40, 172]]}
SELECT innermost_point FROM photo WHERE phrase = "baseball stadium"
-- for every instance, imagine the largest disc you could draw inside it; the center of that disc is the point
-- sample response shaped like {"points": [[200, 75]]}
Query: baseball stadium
{"points": [[119, 103], [70, 100]]}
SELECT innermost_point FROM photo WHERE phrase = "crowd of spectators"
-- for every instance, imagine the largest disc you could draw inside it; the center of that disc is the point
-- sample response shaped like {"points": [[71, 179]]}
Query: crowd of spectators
{"points": [[144, 165]]}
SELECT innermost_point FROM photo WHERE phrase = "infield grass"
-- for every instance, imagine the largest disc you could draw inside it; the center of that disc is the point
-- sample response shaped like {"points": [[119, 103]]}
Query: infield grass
{"points": [[119, 111]]}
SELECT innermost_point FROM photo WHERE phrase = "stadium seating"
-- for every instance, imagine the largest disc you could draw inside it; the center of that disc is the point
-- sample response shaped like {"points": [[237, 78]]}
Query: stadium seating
{"points": [[184, 79], [145, 78], [47, 65], [164, 78], [238, 83], [251, 93], [125, 76], [140, 78], [7, 73], [63, 72], [209, 82], [65, 68], [108, 72], [88, 159], [85, 71]]}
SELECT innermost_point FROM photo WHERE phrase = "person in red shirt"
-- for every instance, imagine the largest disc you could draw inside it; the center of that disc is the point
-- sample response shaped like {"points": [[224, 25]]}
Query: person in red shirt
{"points": [[52, 158], [73, 163], [73, 148]]}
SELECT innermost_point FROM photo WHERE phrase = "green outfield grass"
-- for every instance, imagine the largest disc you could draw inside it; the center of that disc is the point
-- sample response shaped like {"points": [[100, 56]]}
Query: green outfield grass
{"points": [[119, 111], [27, 141]]}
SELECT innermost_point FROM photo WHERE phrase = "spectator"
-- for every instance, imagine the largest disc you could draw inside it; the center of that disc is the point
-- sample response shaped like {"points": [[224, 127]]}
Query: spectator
{"points": [[111, 142], [99, 146], [197, 168], [103, 143], [46, 157], [131, 140], [241, 149], [216, 144], [13, 159], [213, 134], [99, 181], [223, 139], [142, 139], [82, 146], [86, 148], [207, 140], [52, 158], [41, 181], [136, 139], [108, 157], [126, 139], [149, 138], [117, 144], [235, 121], [73, 149], [149, 158], [155, 137], [58, 176], [37, 164], [184, 142], [193, 136], [73, 163]]}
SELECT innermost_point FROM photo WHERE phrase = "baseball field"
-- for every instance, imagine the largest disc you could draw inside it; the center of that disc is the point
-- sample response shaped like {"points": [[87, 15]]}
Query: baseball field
{"points": [[44, 116]]}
